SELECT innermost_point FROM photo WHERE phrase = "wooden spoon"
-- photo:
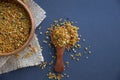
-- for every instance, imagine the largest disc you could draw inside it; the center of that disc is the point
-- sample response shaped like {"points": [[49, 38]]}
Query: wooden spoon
{"points": [[59, 66]]}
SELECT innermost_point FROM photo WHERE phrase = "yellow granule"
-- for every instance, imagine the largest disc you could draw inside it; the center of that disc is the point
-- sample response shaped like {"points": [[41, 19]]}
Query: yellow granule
{"points": [[65, 35]]}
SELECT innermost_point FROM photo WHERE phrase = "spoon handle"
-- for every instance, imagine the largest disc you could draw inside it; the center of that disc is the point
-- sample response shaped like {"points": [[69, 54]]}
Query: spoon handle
{"points": [[59, 66]]}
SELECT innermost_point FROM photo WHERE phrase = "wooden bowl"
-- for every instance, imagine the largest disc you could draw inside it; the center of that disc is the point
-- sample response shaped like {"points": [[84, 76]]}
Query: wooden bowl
{"points": [[31, 31]]}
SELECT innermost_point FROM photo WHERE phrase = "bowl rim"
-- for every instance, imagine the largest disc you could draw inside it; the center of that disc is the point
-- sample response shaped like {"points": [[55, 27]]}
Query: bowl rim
{"points": [[31, 32]]}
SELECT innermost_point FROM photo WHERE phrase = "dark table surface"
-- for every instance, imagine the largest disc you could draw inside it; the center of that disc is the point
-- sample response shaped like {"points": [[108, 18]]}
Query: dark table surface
{"points": [[99, 22]]}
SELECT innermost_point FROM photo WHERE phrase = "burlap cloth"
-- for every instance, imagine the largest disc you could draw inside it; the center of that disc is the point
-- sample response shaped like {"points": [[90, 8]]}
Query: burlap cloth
{"points": [[32, 54]]}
